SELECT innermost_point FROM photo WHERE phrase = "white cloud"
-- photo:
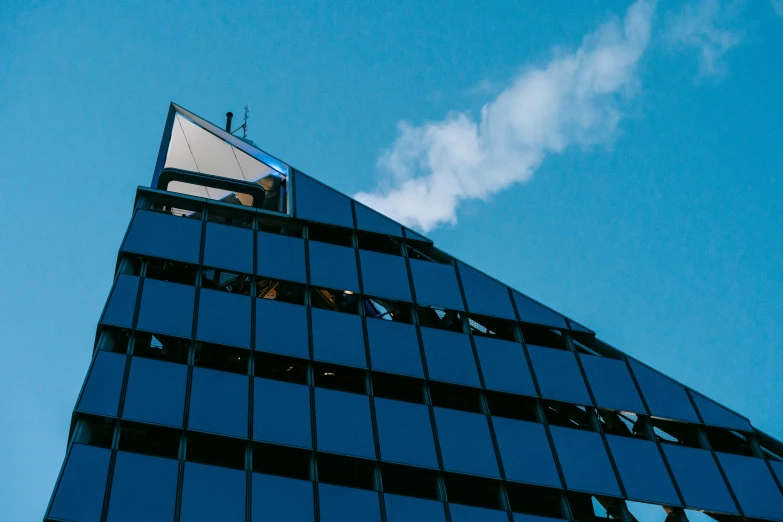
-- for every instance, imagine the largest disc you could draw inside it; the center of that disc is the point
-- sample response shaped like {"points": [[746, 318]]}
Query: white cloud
{"points": [[777, 5], [704, 26], [575, 99]]}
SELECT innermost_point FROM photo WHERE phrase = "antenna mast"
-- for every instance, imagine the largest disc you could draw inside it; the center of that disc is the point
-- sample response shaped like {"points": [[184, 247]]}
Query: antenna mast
{"points": [[243, 126]]}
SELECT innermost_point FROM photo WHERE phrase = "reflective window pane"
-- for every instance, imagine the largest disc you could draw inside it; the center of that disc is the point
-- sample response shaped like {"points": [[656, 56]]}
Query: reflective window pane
{"points": [[281, 328], [532, 312], [449, 357], [394, 347], [338, 338], [411, 509], [224, 318], [211, 493], [79, 494], [405, 433], [333, 266], [229, 247], [521, 517], [612, 384], [525, 452], [167, 308], [465, 442], [102, 390], [339, 504], [485, 295], [699, 479], [281, 257], [558, 375], [385, 275], [122, 302], [584, 461], [717, 415], [436, 284], [343, 423], [218, 402], [156, 392], [756, 491], [504, 366], [460, 513], [143, 488], [281, 413], [371, 221], [211, 154], [665, 397], [317, 202], [281, 499], [642, 470], [163, 235]]}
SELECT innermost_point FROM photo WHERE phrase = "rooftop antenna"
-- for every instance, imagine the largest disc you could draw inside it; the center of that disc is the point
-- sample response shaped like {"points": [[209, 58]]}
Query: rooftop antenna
{"points": [[243, 126]]}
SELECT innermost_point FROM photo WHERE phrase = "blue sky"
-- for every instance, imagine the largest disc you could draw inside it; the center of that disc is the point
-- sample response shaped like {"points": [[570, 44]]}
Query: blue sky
{"points": [[653, 218]]}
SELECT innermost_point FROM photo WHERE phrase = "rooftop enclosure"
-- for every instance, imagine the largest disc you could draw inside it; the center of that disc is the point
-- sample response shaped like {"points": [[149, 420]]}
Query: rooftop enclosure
{"points": [[272, 350]]}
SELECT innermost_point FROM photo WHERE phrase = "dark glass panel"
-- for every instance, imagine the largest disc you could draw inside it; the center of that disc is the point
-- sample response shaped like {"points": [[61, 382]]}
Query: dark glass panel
{"points": [[699, 479], [341, 504], [520, 517], [460, 513], [333, 266], [218, 402], [210, 493], [584, 461], [756, 491], [412, 509], [343, 423], [525, 452], [371, 221], [558, 375], [394, 347], [167, 308], [224, 318], [317, 202], [281, 499], [612, 384], [229, 247], [449, 357], [160, 235], [664, 397], [436, 284], [338, 338], [642, 470], [385, 275], [281, 257], [717, 415], [465, 442], [156, 392], [532, 312], [504, 366], [281, 413], [405, 433], [143, 488], [484, 294], [122, 301], [102, 391], [281, 328], [79, 494]]}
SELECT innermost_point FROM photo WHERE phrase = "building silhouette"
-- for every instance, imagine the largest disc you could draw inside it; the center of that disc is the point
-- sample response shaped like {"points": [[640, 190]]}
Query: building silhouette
{"points": [[272, 350]]}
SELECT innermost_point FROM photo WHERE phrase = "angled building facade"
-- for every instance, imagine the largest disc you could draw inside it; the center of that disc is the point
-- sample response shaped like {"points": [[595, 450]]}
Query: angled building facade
{"points": [[272, 350]]}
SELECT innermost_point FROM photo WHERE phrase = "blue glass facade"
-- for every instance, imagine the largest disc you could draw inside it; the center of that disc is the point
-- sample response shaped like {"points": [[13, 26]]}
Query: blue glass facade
{"points": [[371, 379]]}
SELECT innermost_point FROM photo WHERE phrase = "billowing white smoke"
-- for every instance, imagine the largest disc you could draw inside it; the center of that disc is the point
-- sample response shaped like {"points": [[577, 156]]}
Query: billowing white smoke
{"points": [[575, 99]]}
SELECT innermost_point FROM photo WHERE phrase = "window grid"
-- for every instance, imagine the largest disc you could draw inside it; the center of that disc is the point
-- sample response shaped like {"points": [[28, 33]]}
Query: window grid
{"points": [[251, 372]]}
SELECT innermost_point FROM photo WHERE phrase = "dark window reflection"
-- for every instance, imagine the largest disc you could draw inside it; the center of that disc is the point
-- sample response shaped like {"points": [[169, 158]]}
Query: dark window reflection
{"points": [[281, 328], [642, 470], [211, 493], [340, 504], [281, 499], [282, 413], [449, 357], [338, 338], [504, 366], [460, 513], [558, 375], [218, 402], [612, 384], [699, 479], [122, 301], [79, 494], [412, 509], [394, 347], [317, 202], [484, 294], [143, 488], [385, 275], [753, 485], [525, 452], [224, 318], [167, 308], [333, 266], [665, 397], [465, 442], [584, 461], [229, 247], [102, 391], [343, 423], [160, 235], [156, 392], [405, 433], [436, 284]]}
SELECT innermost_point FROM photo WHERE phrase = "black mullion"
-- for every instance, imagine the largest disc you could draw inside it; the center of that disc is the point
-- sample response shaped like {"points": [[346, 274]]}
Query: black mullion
{"points": [[310, 378], [251, 373]]}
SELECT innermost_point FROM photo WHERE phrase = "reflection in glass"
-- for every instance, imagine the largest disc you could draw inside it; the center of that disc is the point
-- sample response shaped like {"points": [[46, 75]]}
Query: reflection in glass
{"points": [[394, 347], [229, 247], [156, 392], [411, 509], [485, 295], [405, 433], [717, 415], [436, 284], [753, 486], [642, 470], [371, 221], [79, 494], [584, 461], [143, 488], [558, 375], [385, 275], [333, 266], [532, 312], [167, 308], [218, 402], [340, 504], [281, 257], [465, 442], [665, 397], [281, 499], [317, 202], [460, 513], [122, 302], [210, 493], [281, 413], [224, 318], [449, 357], [163, 235], [102, 391], [612, 384], [281, 328], [338, 338], [343, 423], [504, 366], [525, 452], [699, 479]]}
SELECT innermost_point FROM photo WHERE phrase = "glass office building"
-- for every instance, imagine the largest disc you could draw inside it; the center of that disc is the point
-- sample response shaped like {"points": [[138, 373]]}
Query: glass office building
{"points": [[272, 350]]}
